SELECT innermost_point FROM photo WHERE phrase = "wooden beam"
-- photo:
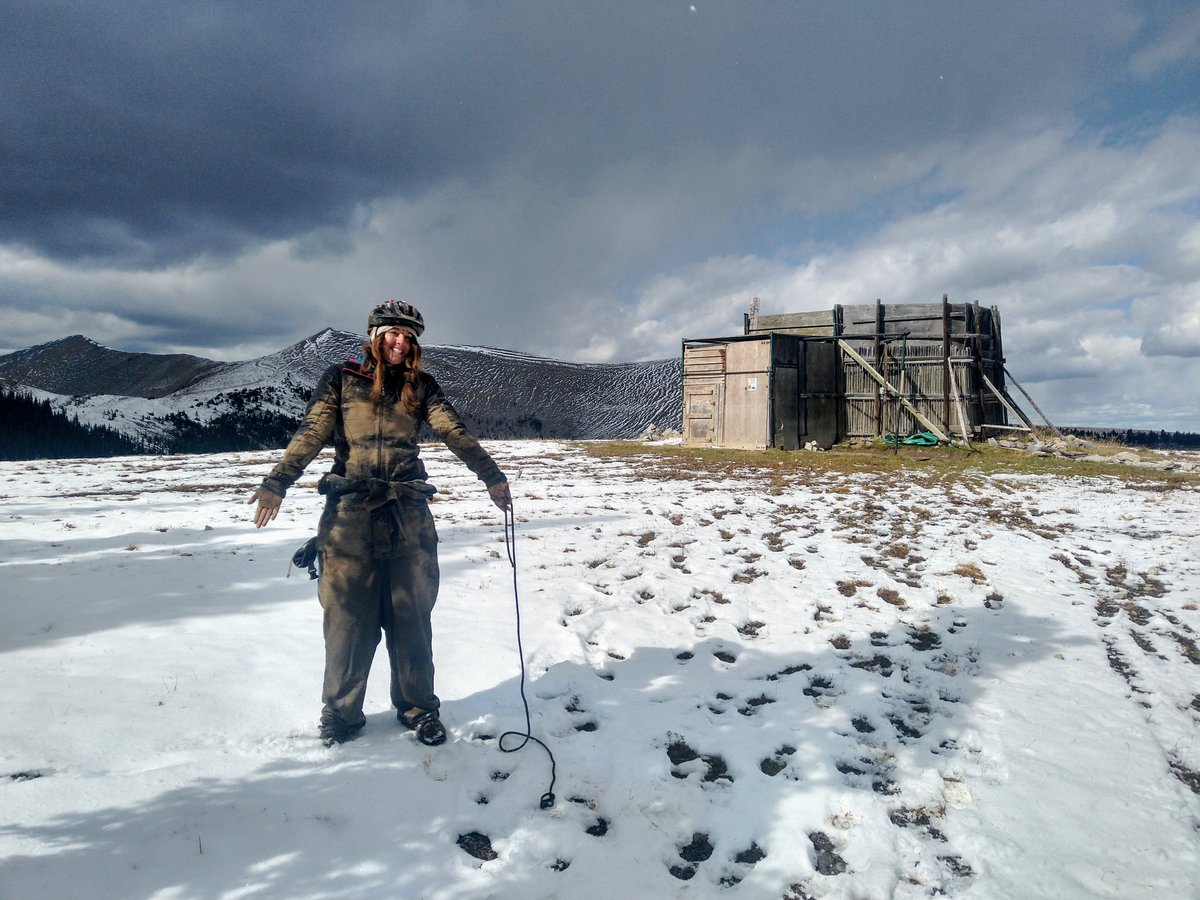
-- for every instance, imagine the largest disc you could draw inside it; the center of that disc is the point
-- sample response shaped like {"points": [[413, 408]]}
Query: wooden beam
{"points": [[1045, 419], [958, 402], [883, 382], [1010, 406]]}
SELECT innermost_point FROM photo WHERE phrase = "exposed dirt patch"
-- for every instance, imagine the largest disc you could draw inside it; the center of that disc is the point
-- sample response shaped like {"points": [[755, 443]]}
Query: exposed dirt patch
{"points": [[1075, 566], [819, 686], [1190, 777], [750, 629], [789, 670], [904, 729], [919, 817], [754, 703], [698, 849], [1144, 642], [714, 596], [827, 862], [477, 845], [750, 855], [1187, 645], [1120, 665], [877, 663], [748, 575], [679, 752], [1018, 518], [771, 766], [923, 639]]}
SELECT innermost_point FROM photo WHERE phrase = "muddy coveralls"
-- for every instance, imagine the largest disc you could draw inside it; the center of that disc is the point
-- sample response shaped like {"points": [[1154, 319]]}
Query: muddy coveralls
{"points": [[376, 540]]}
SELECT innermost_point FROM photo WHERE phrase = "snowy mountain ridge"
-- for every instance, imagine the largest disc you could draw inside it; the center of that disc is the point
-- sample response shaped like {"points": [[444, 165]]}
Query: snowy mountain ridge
{"points": [[501, 393]]}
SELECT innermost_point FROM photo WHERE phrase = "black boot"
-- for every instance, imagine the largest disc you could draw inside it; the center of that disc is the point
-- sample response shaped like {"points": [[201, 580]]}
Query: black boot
{"points": [[334, 730], [426, 724]]}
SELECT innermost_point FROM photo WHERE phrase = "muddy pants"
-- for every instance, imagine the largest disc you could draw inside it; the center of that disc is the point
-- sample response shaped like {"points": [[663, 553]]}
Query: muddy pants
{"points": [[379, 573]]}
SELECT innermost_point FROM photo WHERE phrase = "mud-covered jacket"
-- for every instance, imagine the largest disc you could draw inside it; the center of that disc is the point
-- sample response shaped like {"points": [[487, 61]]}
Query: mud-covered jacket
{"points": [[375, 441]]}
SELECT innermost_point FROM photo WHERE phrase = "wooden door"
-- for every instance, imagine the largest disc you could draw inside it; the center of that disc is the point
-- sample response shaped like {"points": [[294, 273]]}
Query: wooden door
{"points": [[702, 413]]}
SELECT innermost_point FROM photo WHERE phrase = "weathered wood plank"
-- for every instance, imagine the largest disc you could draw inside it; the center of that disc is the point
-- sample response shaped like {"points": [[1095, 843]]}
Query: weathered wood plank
{"points": [[916, 414]]}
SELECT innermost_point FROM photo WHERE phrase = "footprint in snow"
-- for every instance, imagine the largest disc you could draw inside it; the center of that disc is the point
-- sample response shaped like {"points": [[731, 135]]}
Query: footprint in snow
{"points": [[688, 761], [693, 853], [751, 856], [773, 765]]}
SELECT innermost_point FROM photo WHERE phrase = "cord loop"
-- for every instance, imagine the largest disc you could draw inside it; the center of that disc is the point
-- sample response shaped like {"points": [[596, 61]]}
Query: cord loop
{"points": [[510, 545]]}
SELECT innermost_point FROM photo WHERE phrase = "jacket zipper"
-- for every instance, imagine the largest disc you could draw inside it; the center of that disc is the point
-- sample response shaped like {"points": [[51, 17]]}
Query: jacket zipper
{"points": [[379, 441]]}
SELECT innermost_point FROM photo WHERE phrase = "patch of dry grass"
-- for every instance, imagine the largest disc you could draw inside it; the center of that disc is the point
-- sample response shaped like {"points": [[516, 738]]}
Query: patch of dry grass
{"points": [[972, 571], [925, 463]]}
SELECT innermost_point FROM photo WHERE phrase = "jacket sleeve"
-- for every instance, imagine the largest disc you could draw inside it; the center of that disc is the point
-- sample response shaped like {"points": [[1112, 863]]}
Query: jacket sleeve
{"points": [[316, 429], [447, 425]]}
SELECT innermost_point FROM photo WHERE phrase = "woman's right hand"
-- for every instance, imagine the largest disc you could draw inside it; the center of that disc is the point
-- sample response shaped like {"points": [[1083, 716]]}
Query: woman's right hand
{"points": [[500, 495], [268, 506]]}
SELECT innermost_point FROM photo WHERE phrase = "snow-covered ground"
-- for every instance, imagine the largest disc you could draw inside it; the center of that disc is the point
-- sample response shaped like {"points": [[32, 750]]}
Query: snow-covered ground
{"points": [[755, 686]]}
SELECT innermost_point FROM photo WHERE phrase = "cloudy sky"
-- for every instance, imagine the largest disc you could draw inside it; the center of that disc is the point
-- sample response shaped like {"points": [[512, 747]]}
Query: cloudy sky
{"points": [[596, 181]]}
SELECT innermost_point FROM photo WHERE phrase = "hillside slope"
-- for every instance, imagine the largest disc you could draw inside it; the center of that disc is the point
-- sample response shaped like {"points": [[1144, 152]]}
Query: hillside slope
{"points": [[77, 365]]}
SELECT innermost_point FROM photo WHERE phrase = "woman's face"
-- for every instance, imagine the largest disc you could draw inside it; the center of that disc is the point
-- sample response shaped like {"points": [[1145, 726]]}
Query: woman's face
{"points": [[395, 347]]}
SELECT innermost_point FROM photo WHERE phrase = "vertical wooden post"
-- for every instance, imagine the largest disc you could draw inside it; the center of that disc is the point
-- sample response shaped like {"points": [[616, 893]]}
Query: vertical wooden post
{"points": [[947, 374], [887, 376], [975, 326], [843, 414], [998, 345], [878, 364]]}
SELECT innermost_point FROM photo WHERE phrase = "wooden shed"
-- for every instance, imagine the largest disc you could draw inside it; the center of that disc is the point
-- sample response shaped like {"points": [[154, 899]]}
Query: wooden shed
{"points": [[758, 391], [856, 371]]}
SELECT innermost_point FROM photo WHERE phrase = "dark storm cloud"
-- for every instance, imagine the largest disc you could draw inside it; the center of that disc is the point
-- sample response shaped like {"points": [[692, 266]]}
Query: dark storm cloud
{"points": [[595, 181], [139, 134]]}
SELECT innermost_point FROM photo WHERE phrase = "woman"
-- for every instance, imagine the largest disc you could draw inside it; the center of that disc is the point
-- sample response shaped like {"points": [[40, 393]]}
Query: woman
{"points": [[376, 540]]}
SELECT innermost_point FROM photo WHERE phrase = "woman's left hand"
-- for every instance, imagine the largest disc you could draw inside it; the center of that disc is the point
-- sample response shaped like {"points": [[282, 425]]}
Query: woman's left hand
{"points": [[500, 495]]}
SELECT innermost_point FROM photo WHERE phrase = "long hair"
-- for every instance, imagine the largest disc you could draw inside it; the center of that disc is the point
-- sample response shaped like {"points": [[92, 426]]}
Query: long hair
{"points": [[388, 377]]}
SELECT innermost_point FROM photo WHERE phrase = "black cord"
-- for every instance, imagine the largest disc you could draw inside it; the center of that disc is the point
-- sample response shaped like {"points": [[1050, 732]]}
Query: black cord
{"points": [[510, 544]]}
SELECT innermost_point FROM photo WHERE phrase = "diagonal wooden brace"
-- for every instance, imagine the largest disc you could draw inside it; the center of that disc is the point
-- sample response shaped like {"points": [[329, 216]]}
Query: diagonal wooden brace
{"points": [[883, 382]]}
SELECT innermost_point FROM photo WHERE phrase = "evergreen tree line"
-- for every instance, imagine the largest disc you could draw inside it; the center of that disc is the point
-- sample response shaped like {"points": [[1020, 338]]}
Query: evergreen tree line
{"points": [[1133, 437], [246, 430], [34, 429]]}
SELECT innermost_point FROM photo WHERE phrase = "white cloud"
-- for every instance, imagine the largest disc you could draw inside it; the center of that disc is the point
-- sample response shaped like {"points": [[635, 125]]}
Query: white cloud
{"points": [[1172, 323], [1087, 247]]}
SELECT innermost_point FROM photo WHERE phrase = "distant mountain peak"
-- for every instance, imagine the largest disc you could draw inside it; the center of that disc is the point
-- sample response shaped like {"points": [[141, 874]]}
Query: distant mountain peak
{"points": [[73, 340], [78, 366]]}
